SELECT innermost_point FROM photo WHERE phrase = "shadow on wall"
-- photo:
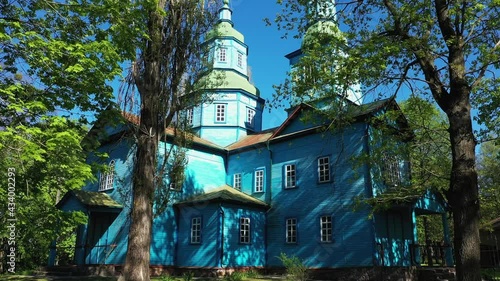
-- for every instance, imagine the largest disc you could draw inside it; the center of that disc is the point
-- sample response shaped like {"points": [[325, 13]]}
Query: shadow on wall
{"points": [[238, 254], [165, 225]]}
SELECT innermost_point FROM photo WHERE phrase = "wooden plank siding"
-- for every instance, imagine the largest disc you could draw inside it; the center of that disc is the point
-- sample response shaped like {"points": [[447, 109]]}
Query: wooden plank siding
{"points": [[359, 239]]}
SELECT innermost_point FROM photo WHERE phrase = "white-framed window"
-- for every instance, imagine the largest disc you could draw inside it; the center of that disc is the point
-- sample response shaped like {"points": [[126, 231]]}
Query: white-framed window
{"points": [[391, 170], [189, 116], [196, 230], [259, 181], [291, 230], [250, 116], [239, 61], [324, 169], [107, 178], [222, 55], [245, 230], [290, 176], [237, 181], [220, 112], [325, 223]]}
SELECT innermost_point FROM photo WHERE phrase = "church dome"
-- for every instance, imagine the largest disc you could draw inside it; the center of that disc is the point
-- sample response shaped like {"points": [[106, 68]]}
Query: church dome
{"points": [[321, 33], [225, 29]]}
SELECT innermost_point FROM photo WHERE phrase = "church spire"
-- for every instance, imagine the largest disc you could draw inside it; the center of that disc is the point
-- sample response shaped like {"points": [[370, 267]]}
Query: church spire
{"points": [[235, 108], [225, 13], [323, 30]]}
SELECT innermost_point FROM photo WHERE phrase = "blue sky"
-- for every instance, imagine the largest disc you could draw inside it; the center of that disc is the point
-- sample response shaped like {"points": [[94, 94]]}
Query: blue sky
{"points": [[267, 50]]}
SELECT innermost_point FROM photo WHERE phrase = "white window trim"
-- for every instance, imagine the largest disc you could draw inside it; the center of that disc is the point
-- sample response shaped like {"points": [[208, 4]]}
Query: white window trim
{"points": [[107, 179], [196, 230], [245, 229], [290, 176], [222, 54], [326, 225], [220, 118], [391, 170], [291, 231], [250, 117], [237, 181], [324, 170], [189, 116], [239, 61], [259, 180]]}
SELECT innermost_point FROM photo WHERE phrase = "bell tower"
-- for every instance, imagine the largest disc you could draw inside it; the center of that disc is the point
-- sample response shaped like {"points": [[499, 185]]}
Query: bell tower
{"points": [[322, 25], [235, 108]]}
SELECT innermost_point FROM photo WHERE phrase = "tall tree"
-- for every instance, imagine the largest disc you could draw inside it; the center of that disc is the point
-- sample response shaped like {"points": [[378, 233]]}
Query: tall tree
{"points": [[167, 76], [489, 181], [47, 160], [448, 49], [430, 154], [52, 63], [430, 159], [427, 151]]}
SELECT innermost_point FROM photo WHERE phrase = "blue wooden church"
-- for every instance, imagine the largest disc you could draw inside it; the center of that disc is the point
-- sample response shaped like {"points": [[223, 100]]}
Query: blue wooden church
{"points": [[251, 194]]}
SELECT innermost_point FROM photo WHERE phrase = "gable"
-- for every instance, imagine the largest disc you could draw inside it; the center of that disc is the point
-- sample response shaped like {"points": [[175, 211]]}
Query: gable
{"points": [[430, 203], [302, 118]]}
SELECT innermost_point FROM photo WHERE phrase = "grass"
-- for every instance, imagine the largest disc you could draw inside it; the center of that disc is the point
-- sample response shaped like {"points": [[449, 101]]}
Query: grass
{"points": [[54, 278], [490, 273], [8, 277]]}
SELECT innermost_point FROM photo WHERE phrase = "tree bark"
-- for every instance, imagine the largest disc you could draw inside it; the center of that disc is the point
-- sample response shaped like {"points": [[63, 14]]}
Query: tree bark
{"points": [[136, 266], [147, 77], [463, 193]]}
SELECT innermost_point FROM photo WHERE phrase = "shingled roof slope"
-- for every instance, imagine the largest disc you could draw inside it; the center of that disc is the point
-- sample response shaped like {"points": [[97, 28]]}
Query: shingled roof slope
{"points": [[91, 199], [225, 193], [134, 119]]}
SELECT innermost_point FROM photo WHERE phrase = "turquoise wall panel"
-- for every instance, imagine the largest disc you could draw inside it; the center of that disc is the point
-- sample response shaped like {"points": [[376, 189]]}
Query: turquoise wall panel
{"points": [[205, 171], [246, 163], [112, 245], [297, 124], [430, 203], [206, 253], [394, 237], [353, 238], [164, 239], [235, 253]]}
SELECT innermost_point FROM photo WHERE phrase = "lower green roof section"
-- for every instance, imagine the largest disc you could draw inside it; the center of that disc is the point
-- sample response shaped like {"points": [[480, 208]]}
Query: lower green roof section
{"points": [[225, 193], [89, 199]]}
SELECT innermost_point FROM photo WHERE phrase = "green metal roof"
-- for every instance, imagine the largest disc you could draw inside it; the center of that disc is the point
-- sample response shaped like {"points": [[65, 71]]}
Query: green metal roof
{"points": [[225, 29], [91, 199], [225, 193], [232, 80]]}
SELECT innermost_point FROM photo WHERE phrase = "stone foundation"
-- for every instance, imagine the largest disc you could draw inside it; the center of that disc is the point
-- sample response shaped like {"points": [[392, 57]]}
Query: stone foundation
{"points": [[333, 274], [359, 273]]}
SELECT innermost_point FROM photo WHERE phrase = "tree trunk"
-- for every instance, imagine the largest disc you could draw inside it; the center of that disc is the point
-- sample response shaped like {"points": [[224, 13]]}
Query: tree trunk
{"points": [[463, 192], [136, 266], [147, 77]]}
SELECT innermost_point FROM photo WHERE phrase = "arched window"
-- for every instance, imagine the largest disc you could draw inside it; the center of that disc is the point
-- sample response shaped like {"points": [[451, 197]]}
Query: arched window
{"points": [[107, 178]]}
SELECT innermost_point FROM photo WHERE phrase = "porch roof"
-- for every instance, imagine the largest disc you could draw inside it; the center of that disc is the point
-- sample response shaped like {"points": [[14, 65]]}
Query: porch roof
{"points": [[89, 199], [225, 193]]}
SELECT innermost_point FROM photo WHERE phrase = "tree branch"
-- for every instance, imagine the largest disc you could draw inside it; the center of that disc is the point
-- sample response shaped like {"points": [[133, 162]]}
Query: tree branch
{"points": [[483, 69], [444, 22]]}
